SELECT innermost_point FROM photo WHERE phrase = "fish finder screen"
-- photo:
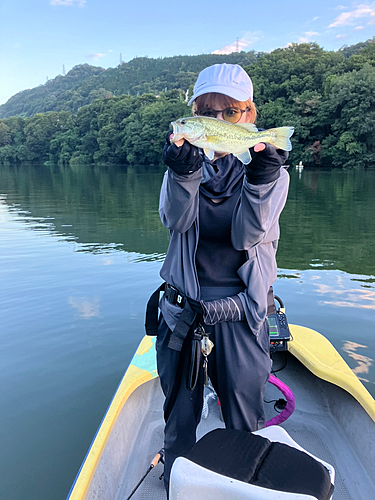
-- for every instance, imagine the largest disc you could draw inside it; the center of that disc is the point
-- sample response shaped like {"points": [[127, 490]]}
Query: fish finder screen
{"points": [[272, 326]]}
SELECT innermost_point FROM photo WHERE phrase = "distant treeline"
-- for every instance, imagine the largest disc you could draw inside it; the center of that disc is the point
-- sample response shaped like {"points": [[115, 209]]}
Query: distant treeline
{"points": [[327, 96], [142, 75]]}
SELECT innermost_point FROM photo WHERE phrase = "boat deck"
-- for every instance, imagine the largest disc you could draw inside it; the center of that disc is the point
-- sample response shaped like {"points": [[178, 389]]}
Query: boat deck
{"points": [[327, 422]]}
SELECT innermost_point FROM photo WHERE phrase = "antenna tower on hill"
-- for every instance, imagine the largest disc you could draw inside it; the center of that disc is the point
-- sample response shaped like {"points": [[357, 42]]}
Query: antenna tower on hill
{"points": [[64, 73], [121, 62], [237, 46]]}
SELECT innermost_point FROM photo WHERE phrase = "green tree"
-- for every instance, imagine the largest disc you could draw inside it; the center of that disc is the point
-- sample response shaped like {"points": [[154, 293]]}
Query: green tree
{"points": [[5, 134], [144, 131], [41, 129], [350, 107], [63, 146]]}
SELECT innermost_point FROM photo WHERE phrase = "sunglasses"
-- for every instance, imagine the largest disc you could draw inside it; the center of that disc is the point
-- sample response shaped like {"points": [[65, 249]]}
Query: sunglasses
{"points": [[232, 115]]}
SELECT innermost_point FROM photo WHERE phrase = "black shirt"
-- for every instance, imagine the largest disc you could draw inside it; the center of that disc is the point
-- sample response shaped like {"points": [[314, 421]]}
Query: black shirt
{"points": [[216, 260]]}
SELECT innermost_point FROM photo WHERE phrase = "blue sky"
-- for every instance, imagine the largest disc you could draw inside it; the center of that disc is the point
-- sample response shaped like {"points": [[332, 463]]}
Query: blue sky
{"points": [[38, 37]]}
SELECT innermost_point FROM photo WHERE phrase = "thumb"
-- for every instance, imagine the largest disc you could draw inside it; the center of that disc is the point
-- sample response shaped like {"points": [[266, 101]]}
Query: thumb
{"points": [[259, 147]]}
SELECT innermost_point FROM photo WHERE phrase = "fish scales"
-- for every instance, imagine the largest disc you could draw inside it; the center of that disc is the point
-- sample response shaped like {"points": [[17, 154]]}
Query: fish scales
{"points": [[215, 135]]}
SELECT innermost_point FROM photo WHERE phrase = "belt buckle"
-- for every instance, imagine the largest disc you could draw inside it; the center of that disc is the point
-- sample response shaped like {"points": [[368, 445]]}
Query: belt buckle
{"points": [[174, 296], [179, 299]]}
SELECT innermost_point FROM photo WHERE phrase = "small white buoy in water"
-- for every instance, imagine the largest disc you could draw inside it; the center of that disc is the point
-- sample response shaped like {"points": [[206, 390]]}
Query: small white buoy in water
{"points": [[299, 166]]}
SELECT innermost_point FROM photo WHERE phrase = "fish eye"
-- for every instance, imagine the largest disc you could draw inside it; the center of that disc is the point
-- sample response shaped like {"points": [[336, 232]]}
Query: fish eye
{"points": [[183, 122]]}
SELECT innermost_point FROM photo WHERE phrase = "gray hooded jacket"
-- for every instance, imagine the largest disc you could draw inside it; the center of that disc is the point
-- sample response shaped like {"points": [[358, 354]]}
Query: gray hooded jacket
{"points": [[255, 229]]}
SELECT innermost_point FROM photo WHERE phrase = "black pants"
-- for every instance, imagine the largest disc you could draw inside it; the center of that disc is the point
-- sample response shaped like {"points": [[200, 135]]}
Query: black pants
{"points": [[239, 367]]}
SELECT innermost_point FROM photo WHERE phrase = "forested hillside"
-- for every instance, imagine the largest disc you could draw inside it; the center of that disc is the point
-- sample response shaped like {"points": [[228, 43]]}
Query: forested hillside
{"points": [[85, 83], [327, 96]]}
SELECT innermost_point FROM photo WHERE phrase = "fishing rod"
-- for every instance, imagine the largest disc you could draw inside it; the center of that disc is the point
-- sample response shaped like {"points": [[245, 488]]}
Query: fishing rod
{"points": [[159, 457]]}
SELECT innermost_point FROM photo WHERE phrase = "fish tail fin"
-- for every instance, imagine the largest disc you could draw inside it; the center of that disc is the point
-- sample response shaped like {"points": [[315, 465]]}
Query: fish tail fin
{"points": [[282, 138]]}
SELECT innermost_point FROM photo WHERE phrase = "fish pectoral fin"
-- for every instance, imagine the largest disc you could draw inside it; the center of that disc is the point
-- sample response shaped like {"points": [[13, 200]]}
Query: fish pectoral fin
{"points": [[248, 126], [209, 153], [244, 157]]}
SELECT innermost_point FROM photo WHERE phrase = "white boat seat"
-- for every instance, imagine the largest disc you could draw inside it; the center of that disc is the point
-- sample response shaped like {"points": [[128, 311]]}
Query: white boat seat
{"points": [[239, 465]]}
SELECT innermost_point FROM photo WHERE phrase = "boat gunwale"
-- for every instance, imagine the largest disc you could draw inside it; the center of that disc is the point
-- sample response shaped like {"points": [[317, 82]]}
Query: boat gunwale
{"points": [[137, 374], [329, 365], [133, 377]]}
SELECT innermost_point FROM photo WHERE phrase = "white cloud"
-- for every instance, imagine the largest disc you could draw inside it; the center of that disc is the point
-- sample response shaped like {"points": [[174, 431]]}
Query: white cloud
{"points": [[106, 262], [308, 35], [95, 56], [359, 28], [87, 307], [315, 18], [363, 362], [68, 3], [347, 18], [344, 35], [248, 39], [349, 298]]}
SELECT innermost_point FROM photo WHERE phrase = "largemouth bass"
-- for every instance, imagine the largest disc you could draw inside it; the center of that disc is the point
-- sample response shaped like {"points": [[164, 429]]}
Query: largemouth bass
{"points": [[214, 135]]}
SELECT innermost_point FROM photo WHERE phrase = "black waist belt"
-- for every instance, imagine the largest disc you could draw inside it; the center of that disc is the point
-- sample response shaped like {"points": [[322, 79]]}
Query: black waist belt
{"points": [[191, 309], [187, 322]]}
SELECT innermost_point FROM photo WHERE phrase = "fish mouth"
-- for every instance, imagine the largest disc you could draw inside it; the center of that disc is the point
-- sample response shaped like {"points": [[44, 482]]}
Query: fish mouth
{"points": [[177, 132], [176, 128], [182, 132]]}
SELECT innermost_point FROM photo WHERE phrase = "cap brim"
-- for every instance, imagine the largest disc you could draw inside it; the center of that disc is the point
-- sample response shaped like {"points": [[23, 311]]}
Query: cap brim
{"points": [[237, 94]]}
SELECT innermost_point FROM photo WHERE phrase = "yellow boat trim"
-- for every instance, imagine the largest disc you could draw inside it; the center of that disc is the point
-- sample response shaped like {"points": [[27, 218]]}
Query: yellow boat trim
{"points": [[133, 378], [321, 358], [145, 346], [310, 347]]}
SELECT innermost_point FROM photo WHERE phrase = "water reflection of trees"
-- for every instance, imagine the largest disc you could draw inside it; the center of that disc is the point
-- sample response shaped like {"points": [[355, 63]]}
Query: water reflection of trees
{"points": [[103, 209], [327, 223]]}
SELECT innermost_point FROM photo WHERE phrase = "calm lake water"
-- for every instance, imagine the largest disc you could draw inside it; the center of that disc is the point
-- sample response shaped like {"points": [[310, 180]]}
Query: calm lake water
{"points": [[80, 252]]}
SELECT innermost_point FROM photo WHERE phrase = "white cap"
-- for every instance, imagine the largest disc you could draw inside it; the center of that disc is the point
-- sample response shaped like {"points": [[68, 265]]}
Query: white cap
{"points": [[228, 79]]}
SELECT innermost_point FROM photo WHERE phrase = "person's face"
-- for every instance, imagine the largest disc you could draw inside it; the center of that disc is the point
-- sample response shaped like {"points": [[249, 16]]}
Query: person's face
{"points": [[217, 106]]}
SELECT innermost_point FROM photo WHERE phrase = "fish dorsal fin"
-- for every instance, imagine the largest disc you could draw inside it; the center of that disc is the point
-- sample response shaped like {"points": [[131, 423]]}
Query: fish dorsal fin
{"points": [[244, 157], [209, 153], [248, 126]]}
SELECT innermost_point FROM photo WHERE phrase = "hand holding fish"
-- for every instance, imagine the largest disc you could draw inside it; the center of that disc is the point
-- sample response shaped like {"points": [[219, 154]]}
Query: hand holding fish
{"points": [[265, 165], [178, 143], [182, 160]]}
